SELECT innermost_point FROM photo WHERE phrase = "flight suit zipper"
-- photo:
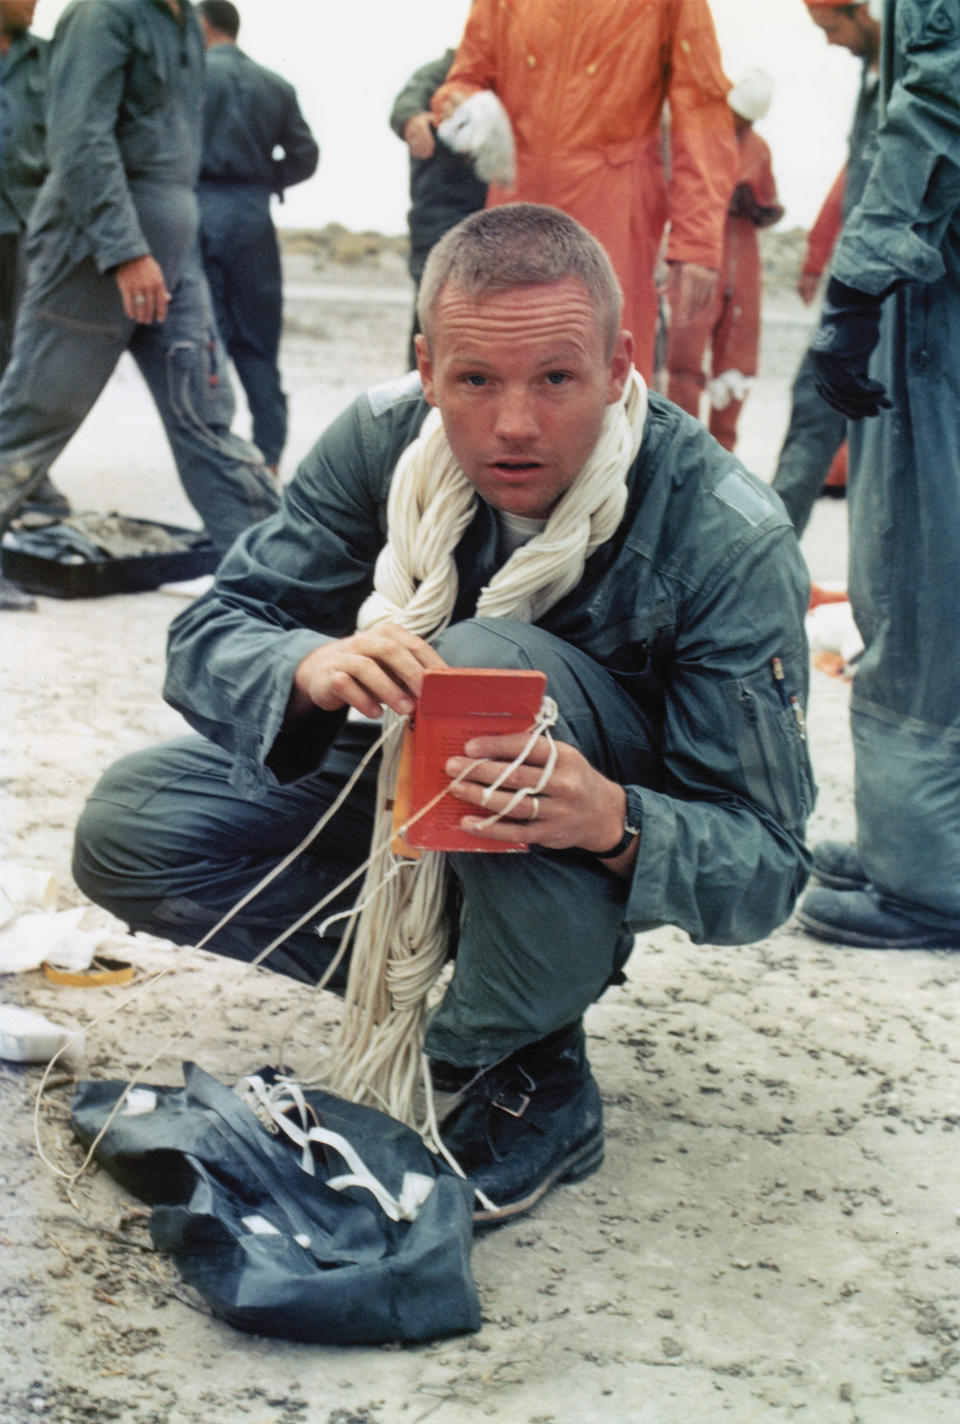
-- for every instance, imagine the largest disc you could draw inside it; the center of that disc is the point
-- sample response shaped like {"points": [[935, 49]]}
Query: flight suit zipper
{"points": [[771, 758]]}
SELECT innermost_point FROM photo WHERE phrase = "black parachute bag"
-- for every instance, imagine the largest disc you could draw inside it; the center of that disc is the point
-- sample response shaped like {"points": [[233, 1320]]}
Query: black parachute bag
{"points": [[303, 1216]]}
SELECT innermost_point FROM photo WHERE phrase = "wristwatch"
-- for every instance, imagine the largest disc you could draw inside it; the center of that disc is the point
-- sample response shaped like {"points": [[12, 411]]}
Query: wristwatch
{"points": [[632, 825]]}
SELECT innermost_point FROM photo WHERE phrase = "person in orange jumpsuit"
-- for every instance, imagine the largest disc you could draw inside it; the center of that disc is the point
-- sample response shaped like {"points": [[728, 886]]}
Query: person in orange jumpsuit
{"points": [[584, 83], [731, 324]]}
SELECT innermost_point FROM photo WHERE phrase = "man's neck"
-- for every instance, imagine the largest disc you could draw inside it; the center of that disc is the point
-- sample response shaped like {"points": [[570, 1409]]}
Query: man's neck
{"points": [[7, 38]]}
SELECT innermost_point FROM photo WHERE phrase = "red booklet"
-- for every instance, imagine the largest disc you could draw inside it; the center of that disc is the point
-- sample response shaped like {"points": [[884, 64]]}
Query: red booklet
{"points": [[455, 705]]}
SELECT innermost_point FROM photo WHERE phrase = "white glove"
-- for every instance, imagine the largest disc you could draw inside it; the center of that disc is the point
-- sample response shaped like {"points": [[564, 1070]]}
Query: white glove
{"points": [[728, 386], [480, 126]]}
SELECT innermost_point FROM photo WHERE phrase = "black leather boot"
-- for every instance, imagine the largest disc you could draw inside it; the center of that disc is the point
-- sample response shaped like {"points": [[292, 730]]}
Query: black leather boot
{"points": [[525, 1124]]}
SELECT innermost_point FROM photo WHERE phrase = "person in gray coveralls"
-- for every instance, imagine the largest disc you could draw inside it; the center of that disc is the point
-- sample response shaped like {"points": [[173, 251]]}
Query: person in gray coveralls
{"points": [[23, 163], [256, 143], [678, 662], [114, 265], [887, 355]]}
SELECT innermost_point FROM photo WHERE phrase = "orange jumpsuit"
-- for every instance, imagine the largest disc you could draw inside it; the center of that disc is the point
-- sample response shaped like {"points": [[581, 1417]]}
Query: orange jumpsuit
{"points": [[584, 83], [732, 323]]}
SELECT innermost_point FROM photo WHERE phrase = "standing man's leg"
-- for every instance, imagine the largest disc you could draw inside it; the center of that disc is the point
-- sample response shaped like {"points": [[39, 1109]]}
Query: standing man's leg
{"points": [[224, 477], [241, 256], [814, 435], [70, 332], [9, 292], [256, 303], [723, 423], [45, 497], [905, 591], [735, 342], [415, 265], [686, 345]]}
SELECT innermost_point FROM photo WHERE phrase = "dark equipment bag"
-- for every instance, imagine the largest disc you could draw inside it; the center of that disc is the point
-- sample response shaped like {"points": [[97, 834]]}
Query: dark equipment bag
{"points": [[273, 1249]]}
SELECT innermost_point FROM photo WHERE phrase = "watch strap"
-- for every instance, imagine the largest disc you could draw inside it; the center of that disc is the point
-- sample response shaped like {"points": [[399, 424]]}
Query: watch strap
{"points": [[632, 827], [620, 847]]}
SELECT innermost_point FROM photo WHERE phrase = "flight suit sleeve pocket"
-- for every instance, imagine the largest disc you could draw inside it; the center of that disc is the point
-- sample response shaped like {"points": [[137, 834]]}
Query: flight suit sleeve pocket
{"points": [[771, 744]]}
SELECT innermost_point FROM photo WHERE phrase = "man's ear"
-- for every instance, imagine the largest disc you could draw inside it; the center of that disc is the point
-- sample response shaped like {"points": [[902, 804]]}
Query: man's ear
{"points": [[620, 363], [425, 367]]}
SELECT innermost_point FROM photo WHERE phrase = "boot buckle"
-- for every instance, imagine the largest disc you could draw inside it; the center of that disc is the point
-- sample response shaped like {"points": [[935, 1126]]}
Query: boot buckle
{"points": [[523, 1101], [514, 1099]]}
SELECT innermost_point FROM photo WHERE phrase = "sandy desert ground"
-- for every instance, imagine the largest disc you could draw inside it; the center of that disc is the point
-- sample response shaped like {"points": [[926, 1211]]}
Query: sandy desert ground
{"points": [[774, 1235]]}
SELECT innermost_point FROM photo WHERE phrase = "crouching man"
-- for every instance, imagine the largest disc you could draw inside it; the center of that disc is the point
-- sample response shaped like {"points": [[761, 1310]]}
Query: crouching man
{"points": [[547, 513]]}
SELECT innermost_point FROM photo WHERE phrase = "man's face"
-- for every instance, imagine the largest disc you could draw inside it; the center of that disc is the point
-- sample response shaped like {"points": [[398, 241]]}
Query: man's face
{"points": [[522, 380], [16, 15], [857, 32]]}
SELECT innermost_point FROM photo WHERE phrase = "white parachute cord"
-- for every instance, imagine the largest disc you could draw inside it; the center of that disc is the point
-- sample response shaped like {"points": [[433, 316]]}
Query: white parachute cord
{"points": [[221, 991], [430, 1132], [545, 719]]}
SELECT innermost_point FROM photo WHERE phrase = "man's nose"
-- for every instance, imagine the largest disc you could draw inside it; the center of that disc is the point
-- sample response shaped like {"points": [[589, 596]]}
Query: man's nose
{"points": [[516, 415]]}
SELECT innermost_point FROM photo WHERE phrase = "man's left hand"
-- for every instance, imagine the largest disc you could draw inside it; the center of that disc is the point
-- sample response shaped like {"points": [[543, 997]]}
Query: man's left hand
{"points": [[143, 289], [419, 136], [578, 807], [840, 351]]}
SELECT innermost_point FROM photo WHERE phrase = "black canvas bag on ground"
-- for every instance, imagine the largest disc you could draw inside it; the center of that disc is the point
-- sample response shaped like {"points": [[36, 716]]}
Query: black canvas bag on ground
{"points": [[273, 1249]]}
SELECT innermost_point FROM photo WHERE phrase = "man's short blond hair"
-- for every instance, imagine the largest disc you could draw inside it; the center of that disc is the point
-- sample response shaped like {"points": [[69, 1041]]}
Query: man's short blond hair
{"points": [[520, 245]]}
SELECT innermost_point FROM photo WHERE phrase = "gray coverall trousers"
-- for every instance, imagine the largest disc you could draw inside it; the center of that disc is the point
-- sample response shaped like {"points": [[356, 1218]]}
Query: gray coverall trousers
{"points": [[169, 847], [905, 591], [71, 331], [814, 435], [241, 258]]}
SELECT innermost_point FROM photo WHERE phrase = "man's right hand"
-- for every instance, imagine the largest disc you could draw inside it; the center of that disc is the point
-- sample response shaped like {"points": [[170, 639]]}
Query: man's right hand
{"points": [[380, 667], [808, 284], [142, 289], [419, 136], [690, 290]]}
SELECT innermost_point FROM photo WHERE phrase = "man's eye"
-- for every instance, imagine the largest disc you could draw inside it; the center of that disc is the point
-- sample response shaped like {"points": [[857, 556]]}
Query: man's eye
{"points": [[557, 378], [472, 379]]}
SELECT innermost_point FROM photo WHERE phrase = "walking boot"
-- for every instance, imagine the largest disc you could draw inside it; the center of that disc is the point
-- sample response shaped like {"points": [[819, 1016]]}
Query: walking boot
{"points": [[45, 498], [865, 919], [17, 486], [14, 599], [837, 864], [525, 1124]]}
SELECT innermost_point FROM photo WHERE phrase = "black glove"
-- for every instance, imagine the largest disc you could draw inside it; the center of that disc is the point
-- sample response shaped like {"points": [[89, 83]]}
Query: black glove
{"points": [[743, 204], [848, 332]]}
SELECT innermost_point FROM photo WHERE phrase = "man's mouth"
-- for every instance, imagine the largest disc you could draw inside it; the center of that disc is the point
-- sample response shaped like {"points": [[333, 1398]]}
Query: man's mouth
{"points": [[515, 467]]}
